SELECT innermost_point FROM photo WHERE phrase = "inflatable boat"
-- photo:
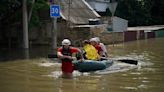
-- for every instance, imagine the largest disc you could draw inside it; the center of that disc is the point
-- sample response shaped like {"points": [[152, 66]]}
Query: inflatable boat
{"points": [[91, 65]]}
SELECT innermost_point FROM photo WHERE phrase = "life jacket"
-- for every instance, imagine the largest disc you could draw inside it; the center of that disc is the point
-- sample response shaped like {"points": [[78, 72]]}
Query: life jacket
{"points": [[91, 52], [66, 52]]}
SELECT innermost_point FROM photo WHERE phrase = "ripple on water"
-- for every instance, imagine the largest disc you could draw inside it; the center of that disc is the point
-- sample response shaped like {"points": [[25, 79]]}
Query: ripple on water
{"points": [[129, 88], [49, 64], [57, 74], [117, 67]]}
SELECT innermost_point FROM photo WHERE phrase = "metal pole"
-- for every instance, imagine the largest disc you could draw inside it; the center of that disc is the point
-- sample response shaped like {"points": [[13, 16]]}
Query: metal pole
{"points": [[69, 10], [54, 33], [112, 30], [25, 25], [112, 7]]}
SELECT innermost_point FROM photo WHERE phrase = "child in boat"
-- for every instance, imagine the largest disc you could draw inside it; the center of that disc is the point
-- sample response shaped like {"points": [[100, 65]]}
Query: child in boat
{"points": [[104, 50], [95, 43], [90, 51]]}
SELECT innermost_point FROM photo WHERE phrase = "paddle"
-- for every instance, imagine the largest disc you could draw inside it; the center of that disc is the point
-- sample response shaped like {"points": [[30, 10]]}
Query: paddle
{"points": [[135, 62], [129, 61]]}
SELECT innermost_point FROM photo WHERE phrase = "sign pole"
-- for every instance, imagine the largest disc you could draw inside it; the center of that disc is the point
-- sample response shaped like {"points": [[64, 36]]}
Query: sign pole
{"points": [[112, 8], [54, 34], [112, 30], [54, 13]]}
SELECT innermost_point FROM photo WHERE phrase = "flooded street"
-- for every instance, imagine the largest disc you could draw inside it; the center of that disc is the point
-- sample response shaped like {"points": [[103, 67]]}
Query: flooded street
{"points": [[31, 75]]}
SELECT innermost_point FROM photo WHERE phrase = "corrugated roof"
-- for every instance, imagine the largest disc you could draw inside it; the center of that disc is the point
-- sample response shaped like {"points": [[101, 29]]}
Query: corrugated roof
{"points": [[146, 28], [77, 11]]}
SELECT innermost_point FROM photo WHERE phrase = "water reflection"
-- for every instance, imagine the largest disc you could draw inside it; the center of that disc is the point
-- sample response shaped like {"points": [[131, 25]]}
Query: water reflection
{"points": [[14, 54]]}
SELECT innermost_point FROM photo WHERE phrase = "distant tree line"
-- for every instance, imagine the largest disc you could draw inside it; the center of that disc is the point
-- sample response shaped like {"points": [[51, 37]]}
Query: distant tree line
{"points": [[137, 12], [11, 11], [141, 12]]}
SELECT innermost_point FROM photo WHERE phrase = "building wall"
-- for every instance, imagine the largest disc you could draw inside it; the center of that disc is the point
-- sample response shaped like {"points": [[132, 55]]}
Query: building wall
{"points": [[141, 35], [119, 24], [159, 33], [150, 34], [107, 37], [42, 35], [130, 36]]}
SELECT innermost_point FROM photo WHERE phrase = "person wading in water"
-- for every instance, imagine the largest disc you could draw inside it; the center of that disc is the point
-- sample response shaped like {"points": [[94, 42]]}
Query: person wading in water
{"points": [[65, 54]]}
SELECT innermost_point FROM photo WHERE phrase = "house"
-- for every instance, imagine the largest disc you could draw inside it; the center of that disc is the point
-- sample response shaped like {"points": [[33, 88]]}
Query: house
{"points": [[77, 14], [74, 23], [99, 5], [77, 11]]}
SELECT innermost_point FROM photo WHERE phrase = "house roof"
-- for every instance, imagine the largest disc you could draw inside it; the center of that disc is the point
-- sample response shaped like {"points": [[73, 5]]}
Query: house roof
{"points": [[146, 28], [77, 11]]}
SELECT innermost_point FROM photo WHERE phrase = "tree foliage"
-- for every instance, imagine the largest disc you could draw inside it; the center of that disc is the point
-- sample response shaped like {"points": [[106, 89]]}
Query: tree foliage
{"points": [[39, 5], [11, 11], [137, 12], [141, 12], [8, 9]]}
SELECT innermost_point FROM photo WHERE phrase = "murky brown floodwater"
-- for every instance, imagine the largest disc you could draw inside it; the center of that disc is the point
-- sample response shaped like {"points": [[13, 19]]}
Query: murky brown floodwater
{"points": [[30, 76]]}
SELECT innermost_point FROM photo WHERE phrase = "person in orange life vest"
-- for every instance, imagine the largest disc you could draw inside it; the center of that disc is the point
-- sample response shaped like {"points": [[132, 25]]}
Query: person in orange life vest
{"points": [[94, 42], [65, 54]]}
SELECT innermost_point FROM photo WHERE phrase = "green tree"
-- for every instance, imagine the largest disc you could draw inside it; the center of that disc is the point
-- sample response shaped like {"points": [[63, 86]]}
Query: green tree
{"points": [[11, 11], [157, 11], [141, 12], [38, 6], [134, 11]]}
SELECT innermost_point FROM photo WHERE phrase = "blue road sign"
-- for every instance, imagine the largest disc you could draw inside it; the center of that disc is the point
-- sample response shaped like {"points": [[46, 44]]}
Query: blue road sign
{"points": [[55, 11]]}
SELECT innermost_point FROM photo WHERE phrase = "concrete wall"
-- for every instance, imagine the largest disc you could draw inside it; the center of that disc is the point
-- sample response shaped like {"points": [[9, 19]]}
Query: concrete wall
{"points": [[119, 24], [141, 35], [130, 36], [150, 35], [107, 37], [42, 35]]}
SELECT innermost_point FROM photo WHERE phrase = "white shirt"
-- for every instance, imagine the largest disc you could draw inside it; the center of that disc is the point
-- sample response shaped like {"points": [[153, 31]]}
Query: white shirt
{"points": [[103, 48]]}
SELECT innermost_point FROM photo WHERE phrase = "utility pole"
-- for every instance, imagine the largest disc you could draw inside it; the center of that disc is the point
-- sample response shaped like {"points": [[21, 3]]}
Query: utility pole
{"points": [[25, 25]]}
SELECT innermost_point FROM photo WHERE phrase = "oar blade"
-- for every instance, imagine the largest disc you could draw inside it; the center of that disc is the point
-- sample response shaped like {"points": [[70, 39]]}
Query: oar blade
{"points": [[135, 62]]}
